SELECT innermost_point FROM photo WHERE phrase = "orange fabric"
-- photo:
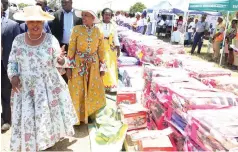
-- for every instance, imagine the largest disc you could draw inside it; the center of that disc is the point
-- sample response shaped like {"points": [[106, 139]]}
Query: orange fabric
{"points": [[220, 37]]}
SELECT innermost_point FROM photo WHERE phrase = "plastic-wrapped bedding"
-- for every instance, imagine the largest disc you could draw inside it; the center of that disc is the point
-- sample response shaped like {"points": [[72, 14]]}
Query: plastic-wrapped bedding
{"points": [[127, 61], [225, 83], [219, 126], [199, 72]]}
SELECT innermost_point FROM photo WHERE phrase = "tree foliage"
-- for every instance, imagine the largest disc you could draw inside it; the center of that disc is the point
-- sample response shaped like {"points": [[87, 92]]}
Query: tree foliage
{"points": [[22, 5], [137, 7], [54, 3]]}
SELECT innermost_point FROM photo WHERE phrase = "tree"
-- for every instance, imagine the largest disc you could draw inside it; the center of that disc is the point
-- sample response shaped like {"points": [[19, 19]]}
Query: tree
{"points": [[137, 7], [22, 5], [54, 3]]}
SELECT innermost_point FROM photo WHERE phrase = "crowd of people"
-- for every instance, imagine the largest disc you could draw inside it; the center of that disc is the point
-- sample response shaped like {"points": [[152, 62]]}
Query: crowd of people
{"points": [[55, 70], [135, 21], [195, 32], [201, 30]]}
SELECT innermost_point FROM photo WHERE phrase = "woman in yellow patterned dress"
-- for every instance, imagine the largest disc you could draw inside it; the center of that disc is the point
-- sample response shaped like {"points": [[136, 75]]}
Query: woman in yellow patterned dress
{"points": [[86, 56], [112, 50]]}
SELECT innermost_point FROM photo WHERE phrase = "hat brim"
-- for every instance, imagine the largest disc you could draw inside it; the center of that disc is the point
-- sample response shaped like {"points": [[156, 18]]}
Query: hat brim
{"points": [[20, 16], [78, 13]]}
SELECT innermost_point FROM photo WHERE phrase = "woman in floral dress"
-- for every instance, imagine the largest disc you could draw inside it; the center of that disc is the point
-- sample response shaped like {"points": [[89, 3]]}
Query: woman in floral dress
{"points": [[112, 50], [86, 55], [42, 110]]}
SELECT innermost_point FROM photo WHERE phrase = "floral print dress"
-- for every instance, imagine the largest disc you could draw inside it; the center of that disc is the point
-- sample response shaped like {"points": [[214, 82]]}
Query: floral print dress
{"points": [[42, 111], [87, 59]]}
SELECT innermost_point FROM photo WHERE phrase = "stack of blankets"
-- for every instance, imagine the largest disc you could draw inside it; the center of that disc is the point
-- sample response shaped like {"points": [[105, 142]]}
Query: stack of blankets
{"points": [[197, 100], [169, 94], [225, 83], [214, 130]]}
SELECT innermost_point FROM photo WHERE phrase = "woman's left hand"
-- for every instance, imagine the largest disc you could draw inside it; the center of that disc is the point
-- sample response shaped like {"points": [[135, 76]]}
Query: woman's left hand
{"points": [[102, 73], [61, 59]]}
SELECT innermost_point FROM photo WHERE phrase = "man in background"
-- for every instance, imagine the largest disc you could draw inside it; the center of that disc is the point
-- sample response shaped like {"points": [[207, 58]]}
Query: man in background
{"points": [[43, 4], [201, 30], [61, 26], [8, 13], [9, 30]]}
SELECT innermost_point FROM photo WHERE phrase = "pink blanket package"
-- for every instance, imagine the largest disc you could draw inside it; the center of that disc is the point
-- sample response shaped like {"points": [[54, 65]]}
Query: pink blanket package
{"points": [[225, 83], [201, 72], [194, 99], [214, 129]]}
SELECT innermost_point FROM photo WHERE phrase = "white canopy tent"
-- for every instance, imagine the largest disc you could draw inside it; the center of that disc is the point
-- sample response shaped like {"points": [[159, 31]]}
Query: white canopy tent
{"points": [[170, 4]]}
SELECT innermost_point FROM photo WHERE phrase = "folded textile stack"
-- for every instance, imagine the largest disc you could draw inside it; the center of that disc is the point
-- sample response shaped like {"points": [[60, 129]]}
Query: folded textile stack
{"points": [[153, 72], [195, 99], [178, 95], [127, 61], [190, 62], [134, 115], [151, 140], [199, 72], [225, 83], [190, 145], [146, 47], [214, 130], [126, 96], [131, 76], [174, 49], [168, 61]]}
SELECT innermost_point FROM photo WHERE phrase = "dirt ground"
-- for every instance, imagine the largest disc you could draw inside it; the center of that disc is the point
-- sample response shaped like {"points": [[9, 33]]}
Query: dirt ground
{"points": [[79, 142]]}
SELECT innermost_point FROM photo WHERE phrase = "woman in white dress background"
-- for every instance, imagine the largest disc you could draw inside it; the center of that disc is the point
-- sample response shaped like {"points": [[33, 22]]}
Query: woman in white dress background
{"points": [[42, 111], [112, 50]]}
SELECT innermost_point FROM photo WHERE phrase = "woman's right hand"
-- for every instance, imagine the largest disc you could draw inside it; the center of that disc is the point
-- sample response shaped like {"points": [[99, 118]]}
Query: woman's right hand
{"points": [[15, 83], [69, 73]]}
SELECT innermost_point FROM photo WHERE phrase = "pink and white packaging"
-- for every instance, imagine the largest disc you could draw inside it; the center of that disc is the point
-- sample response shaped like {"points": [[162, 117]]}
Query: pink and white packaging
{"points": [[201, 72], [225, 83], [220, 123], [190, 94]]}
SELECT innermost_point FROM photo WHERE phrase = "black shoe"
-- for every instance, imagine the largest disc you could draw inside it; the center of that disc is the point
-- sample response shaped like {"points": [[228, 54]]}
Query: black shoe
{"points": [[90, 120]]}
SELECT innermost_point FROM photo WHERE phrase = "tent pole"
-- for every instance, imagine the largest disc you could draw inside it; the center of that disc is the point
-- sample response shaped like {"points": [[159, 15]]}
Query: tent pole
{"points": [[224, 39], [186, 14], [172, 28]]}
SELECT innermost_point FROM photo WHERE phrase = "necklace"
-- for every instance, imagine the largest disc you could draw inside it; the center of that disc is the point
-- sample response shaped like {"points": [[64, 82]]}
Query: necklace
{"points": [[36, 38]]}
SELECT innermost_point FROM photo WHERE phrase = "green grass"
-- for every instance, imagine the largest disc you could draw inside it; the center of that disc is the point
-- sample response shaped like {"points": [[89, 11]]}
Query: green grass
{"points": [[204, 55]]}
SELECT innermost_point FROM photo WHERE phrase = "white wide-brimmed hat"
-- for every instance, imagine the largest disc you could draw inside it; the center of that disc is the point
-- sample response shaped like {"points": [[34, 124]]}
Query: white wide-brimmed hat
{"points": [[78, 13], [33, 13], [138, 13]]}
